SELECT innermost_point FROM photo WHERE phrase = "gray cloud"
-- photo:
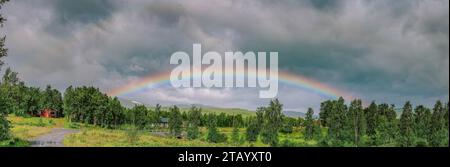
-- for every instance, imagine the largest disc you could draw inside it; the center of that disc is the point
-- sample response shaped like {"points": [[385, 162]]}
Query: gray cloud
{"points": [[378, 50]]}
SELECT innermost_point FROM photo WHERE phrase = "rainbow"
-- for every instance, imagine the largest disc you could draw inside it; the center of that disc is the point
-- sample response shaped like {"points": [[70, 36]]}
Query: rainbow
{"points": [[296, 80]]}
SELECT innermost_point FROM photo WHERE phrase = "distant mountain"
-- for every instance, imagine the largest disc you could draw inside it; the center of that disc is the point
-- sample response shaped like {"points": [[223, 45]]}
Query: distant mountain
{"points": [[129, 103]]}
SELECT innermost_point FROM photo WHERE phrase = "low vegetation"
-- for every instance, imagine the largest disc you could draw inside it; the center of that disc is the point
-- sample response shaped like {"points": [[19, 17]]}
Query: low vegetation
{"points": [[25, 128]]}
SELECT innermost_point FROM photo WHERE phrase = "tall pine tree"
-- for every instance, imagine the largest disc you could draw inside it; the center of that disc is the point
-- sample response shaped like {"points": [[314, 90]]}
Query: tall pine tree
{"points": [[309, 125], [422, 122], [371, 114], [357, 121], [175, 121], [272, 123], [193, 123], [438, 136], [252, 130], [406, 126]]}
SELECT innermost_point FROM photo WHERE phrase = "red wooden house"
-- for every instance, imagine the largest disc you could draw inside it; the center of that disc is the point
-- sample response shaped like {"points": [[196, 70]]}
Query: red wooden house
{"points": [[48, 113]]}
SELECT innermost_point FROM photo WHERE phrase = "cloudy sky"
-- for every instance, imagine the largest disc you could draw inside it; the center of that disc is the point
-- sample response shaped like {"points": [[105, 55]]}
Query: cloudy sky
{"points": [[384, 50]]}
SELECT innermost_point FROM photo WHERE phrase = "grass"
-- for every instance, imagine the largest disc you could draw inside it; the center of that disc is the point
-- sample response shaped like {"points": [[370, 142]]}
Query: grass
{"points": [[36, 121], [26, 128], [99, 137], [26, 132], [296, 139]]}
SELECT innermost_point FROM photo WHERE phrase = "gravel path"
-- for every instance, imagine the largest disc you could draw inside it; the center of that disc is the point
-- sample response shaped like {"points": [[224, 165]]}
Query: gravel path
{"points": [[53, 139]]}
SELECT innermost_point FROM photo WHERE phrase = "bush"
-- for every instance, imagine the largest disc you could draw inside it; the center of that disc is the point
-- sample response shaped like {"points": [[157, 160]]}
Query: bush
{"points": [[133, 135], [252, 132], [14, 142], [286, 129], [193, 133], [216, 137], [288, 143]]}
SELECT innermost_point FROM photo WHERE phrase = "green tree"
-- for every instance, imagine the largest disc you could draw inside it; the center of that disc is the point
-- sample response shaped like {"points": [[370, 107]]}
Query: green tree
{"points": [[238, 120], [357, 120], [114, 114], [139, 116], [31, 100], [438, 136], [222, 120], [235, 133], [213, 135], [99, 108], [175, 121], [68, 103], [406, 126], [259, 119], [158, 113], [10, 77], [288, 125], [339, 129], [193, 123], [386, 129], [372, 120], [446, 129], [384, 132], [254, 125], [309, 124], [4, 123], [52, 99], [325, 111], [89, 105], [446, 116], [12, 90], [422, 122], [18, 98], [272, 123], [252, 131]]}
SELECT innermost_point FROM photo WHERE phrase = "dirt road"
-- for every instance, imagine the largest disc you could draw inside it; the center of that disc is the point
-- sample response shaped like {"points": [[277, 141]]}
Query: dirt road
{"points": [[53, 139]]}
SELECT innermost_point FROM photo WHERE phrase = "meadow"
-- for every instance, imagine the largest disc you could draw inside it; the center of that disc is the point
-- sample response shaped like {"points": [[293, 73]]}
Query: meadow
{"points": [[100, 137], [26, 128]]}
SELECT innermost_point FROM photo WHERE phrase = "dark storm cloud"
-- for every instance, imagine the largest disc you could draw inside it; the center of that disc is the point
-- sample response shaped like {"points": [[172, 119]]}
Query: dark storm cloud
{"points": [[67, 15], [325, 4], [85, 11], [361, 46], [377, 50]]}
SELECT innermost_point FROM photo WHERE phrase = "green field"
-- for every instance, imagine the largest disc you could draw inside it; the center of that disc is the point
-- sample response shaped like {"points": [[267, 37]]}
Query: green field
{"points": [[25, 129], [99, 137]]}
